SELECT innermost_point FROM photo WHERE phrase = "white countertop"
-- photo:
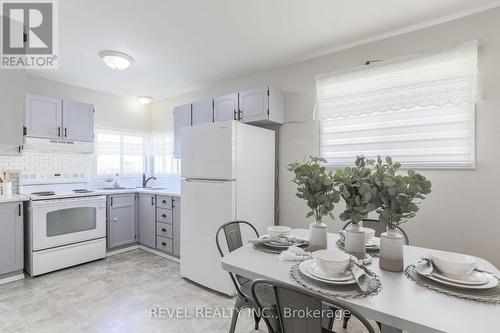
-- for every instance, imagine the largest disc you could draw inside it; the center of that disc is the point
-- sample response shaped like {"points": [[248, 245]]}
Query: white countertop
{"points": [[14, 198], [166, 191]]}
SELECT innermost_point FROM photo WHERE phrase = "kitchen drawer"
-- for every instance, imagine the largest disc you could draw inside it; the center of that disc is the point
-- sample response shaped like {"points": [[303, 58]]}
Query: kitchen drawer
{"points": [[163, 215], [164, 244], [164, 230], [163, 202]]}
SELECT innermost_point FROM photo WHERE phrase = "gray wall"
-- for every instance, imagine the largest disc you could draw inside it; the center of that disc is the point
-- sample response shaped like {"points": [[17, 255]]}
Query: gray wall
{"points": [[460, 214]]}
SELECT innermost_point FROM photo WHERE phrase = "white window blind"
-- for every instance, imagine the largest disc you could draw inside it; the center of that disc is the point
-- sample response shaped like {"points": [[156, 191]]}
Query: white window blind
{"points": [[420, 111], [162, 149], [119, 152]]}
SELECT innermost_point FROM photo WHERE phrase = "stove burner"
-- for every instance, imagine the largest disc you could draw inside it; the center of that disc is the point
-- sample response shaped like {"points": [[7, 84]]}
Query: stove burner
{"points": [[82, 190], [44, 194]]}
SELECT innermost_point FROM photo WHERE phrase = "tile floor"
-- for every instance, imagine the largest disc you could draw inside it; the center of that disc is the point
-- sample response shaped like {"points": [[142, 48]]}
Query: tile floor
{"points": [[115, 295]]}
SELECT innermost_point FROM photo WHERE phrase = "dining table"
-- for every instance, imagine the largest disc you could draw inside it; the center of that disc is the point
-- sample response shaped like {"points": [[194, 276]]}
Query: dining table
{"points": [[400, 305]]}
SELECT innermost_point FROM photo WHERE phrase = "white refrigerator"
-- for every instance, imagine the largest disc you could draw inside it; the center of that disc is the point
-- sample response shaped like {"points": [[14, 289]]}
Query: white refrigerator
{"points": [[228, 173]]}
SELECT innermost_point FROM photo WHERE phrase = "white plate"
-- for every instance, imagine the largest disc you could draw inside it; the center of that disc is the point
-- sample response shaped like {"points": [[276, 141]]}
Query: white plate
{"points": [[273, 243], [305, 269], [492, 281], [475, 278], [373, 243], [314, 269]]}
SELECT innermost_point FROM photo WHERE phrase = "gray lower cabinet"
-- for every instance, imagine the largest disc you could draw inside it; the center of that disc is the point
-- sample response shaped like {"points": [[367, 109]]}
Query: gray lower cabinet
{"points": [[11, 237], [147, 219], [168, 225], [122, 226]]}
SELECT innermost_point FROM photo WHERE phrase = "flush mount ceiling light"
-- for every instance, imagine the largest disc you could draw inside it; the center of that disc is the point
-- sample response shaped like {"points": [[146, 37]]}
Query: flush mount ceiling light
{"points": [[145, 99], [116, 60]]}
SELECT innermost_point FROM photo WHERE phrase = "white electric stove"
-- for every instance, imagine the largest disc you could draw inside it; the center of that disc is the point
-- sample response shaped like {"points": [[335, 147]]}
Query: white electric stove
{"points": [[65, 222]]}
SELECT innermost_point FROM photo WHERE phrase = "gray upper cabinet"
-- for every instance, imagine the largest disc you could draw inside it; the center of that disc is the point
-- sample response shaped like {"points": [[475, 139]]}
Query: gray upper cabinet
{"points": [[54, 118], [182, 118], [122, 226], [261, 106], [12, 106], [177, 226], [226, 107], [43, 117], [11, 237], [147, 219], [78, 121], [202, 112]]}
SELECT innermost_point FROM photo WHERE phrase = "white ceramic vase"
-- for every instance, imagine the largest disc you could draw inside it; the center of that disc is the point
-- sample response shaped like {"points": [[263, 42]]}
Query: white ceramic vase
{"points": [[355, 240], [317, 236], [391, 251]]}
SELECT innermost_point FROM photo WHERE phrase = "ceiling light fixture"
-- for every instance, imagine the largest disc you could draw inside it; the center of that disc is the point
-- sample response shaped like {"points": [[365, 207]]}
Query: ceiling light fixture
{"points": [[116, 60], [145, 99]]}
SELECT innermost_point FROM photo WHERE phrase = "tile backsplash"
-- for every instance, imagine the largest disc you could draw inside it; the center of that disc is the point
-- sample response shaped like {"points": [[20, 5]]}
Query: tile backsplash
{"points": [[32, 161], [66, 162], [37, 162]]}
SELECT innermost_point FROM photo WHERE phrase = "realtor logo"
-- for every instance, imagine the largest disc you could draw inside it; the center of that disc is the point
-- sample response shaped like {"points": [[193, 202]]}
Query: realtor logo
{"points": [[28, 34]]}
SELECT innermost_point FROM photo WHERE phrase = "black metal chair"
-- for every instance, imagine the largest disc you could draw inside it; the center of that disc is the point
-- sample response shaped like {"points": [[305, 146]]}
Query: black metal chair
{"points": [[234, 240], [292, 302]]}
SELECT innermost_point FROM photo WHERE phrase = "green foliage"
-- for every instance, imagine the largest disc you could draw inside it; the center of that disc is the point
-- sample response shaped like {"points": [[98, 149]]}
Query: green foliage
{"points": [[316, 186], [357, 190], [398, 194]]}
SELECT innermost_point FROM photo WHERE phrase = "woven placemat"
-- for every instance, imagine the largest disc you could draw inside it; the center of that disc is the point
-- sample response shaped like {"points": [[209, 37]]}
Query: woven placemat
{"points": [[491, 295], [374, 252], [339, 291]]}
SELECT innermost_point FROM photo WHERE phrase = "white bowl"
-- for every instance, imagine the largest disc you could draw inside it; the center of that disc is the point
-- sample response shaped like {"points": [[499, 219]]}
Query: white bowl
{"points": [[331, 262], [278, 230], [453, 264]]}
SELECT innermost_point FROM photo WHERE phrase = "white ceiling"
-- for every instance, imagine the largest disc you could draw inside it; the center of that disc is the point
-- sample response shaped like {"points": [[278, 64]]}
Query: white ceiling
{"points": [[184, 45]]}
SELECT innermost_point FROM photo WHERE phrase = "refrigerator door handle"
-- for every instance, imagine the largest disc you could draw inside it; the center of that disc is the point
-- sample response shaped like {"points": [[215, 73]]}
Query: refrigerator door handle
{"points": [[199, 180]]}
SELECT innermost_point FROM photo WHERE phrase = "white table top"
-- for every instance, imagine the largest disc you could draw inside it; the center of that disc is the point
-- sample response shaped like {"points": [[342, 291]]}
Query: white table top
{"points": [[401, 303]]}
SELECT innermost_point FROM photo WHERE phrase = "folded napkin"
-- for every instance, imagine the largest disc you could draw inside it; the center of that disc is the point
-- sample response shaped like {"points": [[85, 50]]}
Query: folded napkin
{"points": [[294, 253], [363, 279]]}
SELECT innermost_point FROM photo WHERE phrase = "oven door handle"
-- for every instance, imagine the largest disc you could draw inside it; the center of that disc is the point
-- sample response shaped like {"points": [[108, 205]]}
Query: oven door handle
{"points": [[72, 201]]}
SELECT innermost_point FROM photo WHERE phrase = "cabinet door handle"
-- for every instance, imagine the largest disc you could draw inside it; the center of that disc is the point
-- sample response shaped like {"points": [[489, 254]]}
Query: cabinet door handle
{"points": [[111, 204], [152, 201], [115, 219], [234, 114], [164, 216], [163, 244], [164, 202], [164, 230], [59, 131], [65, 132], [19, 212]]}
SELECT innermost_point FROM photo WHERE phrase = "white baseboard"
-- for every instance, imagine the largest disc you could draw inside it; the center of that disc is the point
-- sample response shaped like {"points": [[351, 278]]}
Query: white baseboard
{"points": [[122, 250], [161, 254], [12, 278]]}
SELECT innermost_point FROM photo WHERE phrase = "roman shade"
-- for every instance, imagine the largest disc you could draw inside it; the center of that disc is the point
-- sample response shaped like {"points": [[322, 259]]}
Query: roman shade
{"points": [[419, 110]]}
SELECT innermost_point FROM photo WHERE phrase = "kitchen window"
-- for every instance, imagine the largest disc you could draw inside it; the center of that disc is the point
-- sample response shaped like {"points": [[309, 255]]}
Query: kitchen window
{"points": [[419, 110], [162, 153], [119, 152]]}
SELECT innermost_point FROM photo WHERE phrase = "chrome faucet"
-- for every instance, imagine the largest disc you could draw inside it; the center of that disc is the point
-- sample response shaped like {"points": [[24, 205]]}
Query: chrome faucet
{"points": [[145, 181]]}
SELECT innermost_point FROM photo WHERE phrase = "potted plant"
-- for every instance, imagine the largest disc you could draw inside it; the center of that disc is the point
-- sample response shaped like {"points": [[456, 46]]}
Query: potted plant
{"points": [[399, 198], [361, 197], [316, 186]]}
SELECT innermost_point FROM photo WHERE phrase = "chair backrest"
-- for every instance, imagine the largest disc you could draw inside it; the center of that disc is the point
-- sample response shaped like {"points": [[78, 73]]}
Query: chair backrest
{"points": [[234, 240], [379, 228], [298, 310]]}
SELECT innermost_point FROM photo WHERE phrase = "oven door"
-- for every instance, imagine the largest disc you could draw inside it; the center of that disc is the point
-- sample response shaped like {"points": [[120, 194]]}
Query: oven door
{"points": [[67, 221]]}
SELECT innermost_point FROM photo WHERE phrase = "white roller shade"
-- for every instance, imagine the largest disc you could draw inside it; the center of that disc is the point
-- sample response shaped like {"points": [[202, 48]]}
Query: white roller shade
{"points": [[419, 111]]}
